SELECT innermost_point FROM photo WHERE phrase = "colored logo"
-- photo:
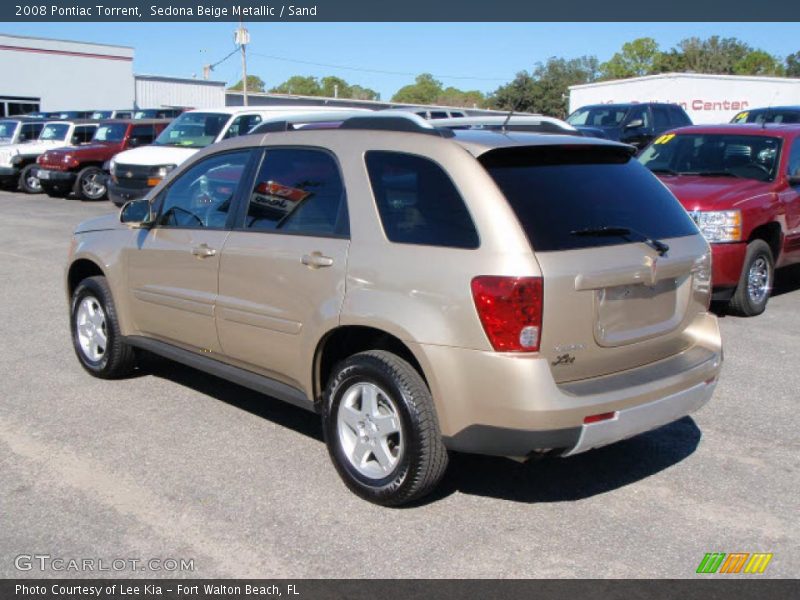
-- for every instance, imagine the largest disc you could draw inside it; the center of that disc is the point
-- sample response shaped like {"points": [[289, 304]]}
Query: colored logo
{"points": [[737, 562]]}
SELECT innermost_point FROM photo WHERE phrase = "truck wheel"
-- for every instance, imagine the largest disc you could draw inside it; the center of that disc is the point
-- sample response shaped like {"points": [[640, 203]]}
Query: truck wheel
{"points": [[28, 181], [90, 184], [95, 331], [755, 284], [381, 429]]}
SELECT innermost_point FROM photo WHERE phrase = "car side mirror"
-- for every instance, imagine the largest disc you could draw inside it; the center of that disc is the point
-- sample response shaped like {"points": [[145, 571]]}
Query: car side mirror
{"points": [[136, 214], [635, 124]]}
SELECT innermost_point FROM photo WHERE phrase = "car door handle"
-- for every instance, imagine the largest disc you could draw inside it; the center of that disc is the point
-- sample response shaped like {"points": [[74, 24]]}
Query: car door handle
{"points": [[203, 251], [315, 260]]}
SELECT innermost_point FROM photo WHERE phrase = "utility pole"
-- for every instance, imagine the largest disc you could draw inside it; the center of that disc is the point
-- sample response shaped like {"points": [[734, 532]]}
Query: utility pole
{"points": [[242, 38]]}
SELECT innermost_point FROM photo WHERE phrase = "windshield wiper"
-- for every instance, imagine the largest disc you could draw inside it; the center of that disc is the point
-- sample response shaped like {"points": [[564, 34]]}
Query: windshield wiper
{"points": [[623, 232]]}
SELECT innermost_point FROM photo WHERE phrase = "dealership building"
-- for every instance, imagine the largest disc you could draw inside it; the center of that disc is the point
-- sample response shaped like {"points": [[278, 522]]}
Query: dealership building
{"points": [[50, 75], [705, 98]]}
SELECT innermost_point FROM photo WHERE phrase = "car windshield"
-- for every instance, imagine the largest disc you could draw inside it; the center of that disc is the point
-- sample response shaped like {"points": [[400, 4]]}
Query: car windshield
{"points": [[714, 155], [193, 130], [53, 132], [101, 114], [7, 129], [598, 116], [112, 132], [563, 195], [789, 115]]}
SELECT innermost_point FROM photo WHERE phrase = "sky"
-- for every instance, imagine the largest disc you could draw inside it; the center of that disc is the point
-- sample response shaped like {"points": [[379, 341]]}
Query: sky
{"points": [[479, 56]]}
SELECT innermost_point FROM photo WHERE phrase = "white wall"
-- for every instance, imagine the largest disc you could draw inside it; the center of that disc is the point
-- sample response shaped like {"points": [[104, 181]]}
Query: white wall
{"points": [[156, 92], [67, 75], [706, 98]]}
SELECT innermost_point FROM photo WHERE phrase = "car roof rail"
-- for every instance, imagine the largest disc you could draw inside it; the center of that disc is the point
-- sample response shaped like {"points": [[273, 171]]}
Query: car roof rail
{"points": [[409, 123], [299, 120]]}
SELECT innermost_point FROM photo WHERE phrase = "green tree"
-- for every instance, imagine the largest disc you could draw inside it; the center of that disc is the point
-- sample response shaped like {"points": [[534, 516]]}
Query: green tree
{"points": [[670, 62], [758, 62], [254, 84], [363, 93], [637, 58], [518, 94], [714, 55], [335, 87], [300, 86], [424, 90], [793, 65]]}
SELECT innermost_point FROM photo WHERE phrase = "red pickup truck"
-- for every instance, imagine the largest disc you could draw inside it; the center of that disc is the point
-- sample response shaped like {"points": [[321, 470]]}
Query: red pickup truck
{"points": [[81, 169], [741, 185]]}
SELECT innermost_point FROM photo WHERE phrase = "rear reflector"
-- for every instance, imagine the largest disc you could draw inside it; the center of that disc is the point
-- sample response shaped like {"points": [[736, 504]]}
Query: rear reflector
{"points": [[600, 417], [510, 310]]}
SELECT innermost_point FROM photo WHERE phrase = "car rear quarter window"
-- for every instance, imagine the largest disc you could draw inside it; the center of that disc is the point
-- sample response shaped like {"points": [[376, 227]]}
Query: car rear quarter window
{"points": [[418, 203], [678, 117], [298, 191], [557, 192]]}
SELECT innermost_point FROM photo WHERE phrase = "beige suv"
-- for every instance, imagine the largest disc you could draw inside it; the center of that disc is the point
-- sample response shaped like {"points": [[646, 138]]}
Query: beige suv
{"points": [[423, 290]]}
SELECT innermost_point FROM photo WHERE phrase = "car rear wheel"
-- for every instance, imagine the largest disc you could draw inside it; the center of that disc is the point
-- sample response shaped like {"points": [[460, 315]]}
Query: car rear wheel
{"points": [[95, 329], [381, 429], [28, 181], [90, 184], [755, 284]]}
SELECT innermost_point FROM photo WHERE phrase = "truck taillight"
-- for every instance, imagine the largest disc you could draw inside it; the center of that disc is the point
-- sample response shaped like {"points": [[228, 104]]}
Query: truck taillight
{"points": [[510, 310]]}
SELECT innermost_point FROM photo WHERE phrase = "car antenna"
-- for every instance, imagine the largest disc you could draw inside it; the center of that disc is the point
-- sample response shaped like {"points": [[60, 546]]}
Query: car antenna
{"points": [[510, 113]]}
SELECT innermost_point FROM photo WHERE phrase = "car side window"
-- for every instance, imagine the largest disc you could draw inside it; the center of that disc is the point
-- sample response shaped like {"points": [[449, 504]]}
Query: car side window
{"points": [[201, 197], [794, 159], [30, 131], [660, 118], [418, 203], [298, 190], [242, 125], [639, 112], [678, 117], [143, 134], [83, 134]]}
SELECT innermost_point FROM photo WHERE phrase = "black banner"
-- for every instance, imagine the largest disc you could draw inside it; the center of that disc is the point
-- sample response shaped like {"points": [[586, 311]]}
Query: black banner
{"points": [[735, 588], [406, 11]]}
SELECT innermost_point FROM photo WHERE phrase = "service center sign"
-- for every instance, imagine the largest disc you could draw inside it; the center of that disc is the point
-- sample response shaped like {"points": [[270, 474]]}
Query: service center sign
{"points": [[706, 99]]}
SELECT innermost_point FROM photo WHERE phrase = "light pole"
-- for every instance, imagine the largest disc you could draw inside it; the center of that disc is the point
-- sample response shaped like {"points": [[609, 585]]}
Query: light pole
{"points": [[242, 38]]}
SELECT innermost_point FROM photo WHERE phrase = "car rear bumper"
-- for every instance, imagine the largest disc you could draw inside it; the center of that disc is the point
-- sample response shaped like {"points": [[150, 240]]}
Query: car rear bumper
{"points": [[509, 405], [727, 262]]}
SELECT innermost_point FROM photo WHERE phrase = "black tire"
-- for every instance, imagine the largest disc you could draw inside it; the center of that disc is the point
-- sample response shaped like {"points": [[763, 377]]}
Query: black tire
{"points": [[91, 184], [423, 460], [745, 302], [118, 358], [28, 182]]}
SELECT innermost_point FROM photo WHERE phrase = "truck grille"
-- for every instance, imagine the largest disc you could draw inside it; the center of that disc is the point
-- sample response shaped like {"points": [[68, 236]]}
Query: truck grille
{"points": [[132, 176]]}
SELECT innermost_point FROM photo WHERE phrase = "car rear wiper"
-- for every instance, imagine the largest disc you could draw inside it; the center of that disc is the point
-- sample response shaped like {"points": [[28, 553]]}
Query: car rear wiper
{"points": [[623, 232]]}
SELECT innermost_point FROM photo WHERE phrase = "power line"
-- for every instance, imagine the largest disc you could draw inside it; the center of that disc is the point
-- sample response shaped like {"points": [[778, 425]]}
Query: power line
{"points": [[365, 70]]}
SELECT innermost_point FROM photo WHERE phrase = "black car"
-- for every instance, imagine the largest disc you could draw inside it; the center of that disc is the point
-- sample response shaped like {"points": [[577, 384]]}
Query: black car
{"points": [[631, 123], [772, 114]]}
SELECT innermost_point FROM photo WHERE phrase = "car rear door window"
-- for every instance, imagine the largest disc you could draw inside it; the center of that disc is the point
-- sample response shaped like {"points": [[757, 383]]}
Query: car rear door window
{"points": [[298, 191], [560, 194], [660, 118], [678, 117], [418, 203]]}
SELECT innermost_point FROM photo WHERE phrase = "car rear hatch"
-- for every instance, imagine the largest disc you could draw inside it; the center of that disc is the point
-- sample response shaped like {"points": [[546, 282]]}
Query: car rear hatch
{"points": [[625, 270]]}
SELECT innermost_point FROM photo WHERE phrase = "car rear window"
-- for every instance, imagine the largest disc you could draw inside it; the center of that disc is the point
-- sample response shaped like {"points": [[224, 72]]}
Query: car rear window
{"points": [[559, 192]]}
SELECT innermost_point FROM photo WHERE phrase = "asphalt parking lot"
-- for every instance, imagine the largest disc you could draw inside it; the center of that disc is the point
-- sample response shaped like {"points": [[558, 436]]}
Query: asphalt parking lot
{"points": [[177, 464]]}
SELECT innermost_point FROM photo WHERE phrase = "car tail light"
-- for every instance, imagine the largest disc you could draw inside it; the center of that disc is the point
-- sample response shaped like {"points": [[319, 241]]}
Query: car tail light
{"points": [[510, 310]]}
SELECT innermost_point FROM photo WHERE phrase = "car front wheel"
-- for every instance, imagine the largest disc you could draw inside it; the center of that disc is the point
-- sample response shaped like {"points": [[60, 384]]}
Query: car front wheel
{"points": [[95, 329], [381, 429], [90, 184], [755, 284], [28, 181]]}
